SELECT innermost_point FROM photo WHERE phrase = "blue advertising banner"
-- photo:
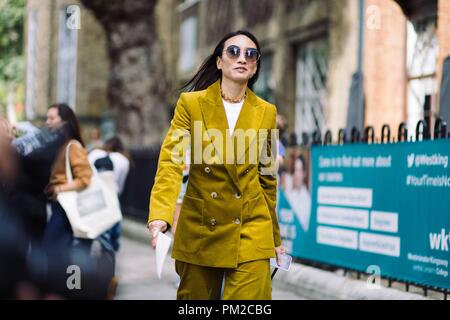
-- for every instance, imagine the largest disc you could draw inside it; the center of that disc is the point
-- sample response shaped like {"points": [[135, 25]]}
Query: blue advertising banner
{"points": [[382, 206]]}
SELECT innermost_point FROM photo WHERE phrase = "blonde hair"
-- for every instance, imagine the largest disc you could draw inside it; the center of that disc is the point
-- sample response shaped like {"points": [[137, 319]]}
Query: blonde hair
{"points": [[6, 129]]}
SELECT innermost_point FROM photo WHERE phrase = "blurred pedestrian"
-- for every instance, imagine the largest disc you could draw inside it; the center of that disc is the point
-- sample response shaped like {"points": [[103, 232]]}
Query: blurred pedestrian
{"points": [[14, 240], [227, 229], [8, 164], [95, 140], [184, 183], [7, 131], [58, 231], [112, 159], [36, 151], [30, 274], [176, 215], [281, 155], [58, 235]]}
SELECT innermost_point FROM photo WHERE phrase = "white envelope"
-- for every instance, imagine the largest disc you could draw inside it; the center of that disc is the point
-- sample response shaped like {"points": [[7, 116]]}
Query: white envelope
{"points": [[162, 248]]}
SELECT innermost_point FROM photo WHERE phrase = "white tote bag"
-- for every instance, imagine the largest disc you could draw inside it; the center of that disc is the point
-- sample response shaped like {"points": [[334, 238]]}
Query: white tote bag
{"points": [[93, 210]]}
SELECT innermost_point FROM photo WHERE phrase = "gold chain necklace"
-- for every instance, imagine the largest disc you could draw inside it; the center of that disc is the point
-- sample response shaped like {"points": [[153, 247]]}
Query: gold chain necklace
{"points": [[231, 100]]}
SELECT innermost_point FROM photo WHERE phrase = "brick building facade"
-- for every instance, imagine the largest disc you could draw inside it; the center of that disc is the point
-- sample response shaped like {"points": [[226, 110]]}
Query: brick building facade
{"points": [[68, 65], [310, 53]]}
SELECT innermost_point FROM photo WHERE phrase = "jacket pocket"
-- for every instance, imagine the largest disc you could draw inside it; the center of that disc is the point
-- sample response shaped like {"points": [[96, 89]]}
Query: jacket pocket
{"points": [[260, 223], [189, 234]]}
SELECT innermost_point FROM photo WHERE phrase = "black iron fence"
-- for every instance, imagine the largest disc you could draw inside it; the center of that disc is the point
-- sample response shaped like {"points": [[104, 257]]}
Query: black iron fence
{"points": [[136, 194], [422, 131], [135, 199]]}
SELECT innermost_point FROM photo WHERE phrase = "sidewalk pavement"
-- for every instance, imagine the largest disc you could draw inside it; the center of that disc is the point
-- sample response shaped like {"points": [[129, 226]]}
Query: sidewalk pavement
{"points": [[137, 275], [138, 279]]}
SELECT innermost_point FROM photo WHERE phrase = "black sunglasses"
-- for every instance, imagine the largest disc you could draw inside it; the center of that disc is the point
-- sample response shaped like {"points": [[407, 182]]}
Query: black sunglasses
{"points": [[250, 54]]}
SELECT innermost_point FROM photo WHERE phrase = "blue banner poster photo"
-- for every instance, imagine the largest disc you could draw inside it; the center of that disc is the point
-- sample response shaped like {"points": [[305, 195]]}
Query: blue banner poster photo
{"points": [[366, 207]]}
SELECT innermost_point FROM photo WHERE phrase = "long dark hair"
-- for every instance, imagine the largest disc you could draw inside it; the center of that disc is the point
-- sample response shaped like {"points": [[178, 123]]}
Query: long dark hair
{"points": [[71, 124], [208, 73], [115, 144]]}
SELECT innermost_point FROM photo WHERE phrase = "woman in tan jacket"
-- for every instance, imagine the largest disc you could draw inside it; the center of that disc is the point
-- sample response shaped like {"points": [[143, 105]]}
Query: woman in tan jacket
{"points": [[58, 232]]}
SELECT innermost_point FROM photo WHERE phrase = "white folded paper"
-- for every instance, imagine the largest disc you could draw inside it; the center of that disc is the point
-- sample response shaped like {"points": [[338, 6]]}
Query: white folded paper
{"points": [[285, 262], [162, 248]]}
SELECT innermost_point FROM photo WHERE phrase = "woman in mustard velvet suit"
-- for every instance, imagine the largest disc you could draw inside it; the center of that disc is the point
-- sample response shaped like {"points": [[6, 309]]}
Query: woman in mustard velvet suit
{"points": [[227, 229]]}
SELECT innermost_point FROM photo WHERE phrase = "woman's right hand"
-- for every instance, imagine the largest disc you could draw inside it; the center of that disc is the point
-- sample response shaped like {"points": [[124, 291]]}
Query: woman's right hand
{"points": [[155, 227]]}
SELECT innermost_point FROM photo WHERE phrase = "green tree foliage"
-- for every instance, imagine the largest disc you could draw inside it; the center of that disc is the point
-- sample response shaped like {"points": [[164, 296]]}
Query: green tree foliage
{"points": [[12, 14]]}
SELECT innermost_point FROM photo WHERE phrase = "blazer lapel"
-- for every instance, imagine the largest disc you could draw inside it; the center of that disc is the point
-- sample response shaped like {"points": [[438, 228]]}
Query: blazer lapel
{"points": [[214, 117], [250, 117]]}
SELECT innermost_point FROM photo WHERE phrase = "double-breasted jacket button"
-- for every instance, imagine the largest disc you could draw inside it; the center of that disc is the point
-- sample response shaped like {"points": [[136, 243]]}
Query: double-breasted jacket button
{"points": [[213, 194], [237, 221], [237, 195], [213, 222], [207, 170]]}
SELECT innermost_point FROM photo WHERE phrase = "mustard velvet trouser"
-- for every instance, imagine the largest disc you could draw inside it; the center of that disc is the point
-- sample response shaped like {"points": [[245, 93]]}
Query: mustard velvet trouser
{"points": [[249, 281]]}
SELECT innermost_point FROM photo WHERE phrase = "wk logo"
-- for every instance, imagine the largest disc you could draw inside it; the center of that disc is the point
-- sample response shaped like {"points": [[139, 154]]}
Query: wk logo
{"points": [[410, 160], [439, 241]]}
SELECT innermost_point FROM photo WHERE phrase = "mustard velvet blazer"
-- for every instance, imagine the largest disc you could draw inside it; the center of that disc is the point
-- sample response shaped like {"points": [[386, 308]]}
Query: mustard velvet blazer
{"points": [[228, 214]]}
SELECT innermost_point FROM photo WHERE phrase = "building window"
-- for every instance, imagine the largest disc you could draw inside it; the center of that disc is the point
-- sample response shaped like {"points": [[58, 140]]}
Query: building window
{"points": [[422, 54], [31, 80], [264, 86], [311, 87], [255, 12], [67, 62], [188, 44]]}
